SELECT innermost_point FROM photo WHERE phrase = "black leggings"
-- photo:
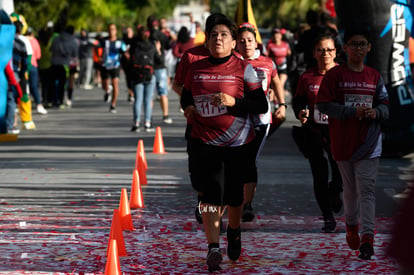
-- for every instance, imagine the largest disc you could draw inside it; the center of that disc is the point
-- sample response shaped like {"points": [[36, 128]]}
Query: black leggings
{"points": [[319, 156]]}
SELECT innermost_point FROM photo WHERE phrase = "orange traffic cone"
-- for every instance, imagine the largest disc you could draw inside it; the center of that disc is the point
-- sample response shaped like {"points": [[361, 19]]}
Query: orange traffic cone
{"points": [[113, 267], [125, 212], [116, 234], [142, 172], [158, 142], [135, 199], [141, 155]]}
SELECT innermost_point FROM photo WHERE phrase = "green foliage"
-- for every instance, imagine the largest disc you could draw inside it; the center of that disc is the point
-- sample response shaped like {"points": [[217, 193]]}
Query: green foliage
{"points": [[93, 15]]}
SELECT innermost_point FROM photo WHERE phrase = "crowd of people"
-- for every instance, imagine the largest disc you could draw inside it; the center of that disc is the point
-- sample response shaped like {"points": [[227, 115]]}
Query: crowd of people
{"points": [[232, 90], [56, 61], [228, 122]]}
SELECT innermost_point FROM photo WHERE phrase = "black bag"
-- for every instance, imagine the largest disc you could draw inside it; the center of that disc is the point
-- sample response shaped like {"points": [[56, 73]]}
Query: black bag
{"points": [[142, 63]]}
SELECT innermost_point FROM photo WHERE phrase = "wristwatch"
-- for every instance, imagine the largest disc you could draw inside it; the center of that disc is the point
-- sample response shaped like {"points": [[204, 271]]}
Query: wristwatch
{"points": [[283, 104]]}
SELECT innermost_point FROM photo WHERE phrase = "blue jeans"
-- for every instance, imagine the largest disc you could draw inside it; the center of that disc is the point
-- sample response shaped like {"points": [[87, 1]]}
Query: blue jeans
{"points": [[162, 81], [143, 93], [34, 84], [10, 110]]}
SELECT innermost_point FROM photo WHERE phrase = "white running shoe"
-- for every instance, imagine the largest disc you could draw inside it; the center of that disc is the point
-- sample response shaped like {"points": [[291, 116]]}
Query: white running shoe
{"points": [[41, 110], [29, 125]]}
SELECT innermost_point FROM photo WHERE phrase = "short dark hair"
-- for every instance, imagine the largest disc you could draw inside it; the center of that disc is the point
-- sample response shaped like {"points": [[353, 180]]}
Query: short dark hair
{"points": [[312, 17], [70, 29], [223, 20], [211, 21], [349, 32]]}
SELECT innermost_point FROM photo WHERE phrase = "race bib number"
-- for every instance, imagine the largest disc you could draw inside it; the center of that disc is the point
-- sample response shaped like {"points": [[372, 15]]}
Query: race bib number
{"points": [[319, 117], [205, 107], [358, 100]]}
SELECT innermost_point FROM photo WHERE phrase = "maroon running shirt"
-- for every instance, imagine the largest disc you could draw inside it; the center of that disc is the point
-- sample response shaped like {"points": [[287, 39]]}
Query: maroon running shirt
{"points": [[217, 125]]}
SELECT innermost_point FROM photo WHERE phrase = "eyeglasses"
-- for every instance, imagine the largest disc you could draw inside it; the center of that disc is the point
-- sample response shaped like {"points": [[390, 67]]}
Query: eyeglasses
{"points": [[328, 50], [355, 45]]}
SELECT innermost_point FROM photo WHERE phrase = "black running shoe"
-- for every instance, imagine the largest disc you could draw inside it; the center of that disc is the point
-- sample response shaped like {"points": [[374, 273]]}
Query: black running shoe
{"points": [[233, 243], [112, 109], [248, 214], [135, 128], [329, 226], [366, 250], [214, 259], [107, 97]]}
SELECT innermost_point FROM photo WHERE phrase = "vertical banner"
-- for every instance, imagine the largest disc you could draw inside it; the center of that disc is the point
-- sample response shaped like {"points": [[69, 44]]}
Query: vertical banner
{"points": [[390, 24], [244, 13]]}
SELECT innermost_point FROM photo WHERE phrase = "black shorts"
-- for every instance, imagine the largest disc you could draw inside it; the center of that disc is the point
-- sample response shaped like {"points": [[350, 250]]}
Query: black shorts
{"points": [[282, 68], [218, 173], [109, 73]]}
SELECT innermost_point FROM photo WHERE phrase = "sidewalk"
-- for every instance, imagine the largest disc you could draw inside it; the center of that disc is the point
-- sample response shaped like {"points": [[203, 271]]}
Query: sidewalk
{"points": [[60, 184]]}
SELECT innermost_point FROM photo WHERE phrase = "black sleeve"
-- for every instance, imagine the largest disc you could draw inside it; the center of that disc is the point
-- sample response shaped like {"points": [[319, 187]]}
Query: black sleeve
{"points": [[254, 102], [186, 99]]}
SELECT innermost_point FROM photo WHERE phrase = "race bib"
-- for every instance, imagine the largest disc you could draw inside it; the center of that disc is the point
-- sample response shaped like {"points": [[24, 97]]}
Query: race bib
{"points": [[319, 117], [111, 61], [358, 100], [205, 107]]}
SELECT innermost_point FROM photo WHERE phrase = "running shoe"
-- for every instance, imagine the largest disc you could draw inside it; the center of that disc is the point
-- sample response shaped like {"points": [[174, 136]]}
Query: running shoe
{"points": [[352, 237], [112, 109], [107, 97], [148, 128], [69, 103], [13, 131], [135, 128], [329, 226], [87, 87], [167, 120], [41, 110], [366, 250], [214, 259], [28, 125], [130, 99], [248, 214], [233, 243]]}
